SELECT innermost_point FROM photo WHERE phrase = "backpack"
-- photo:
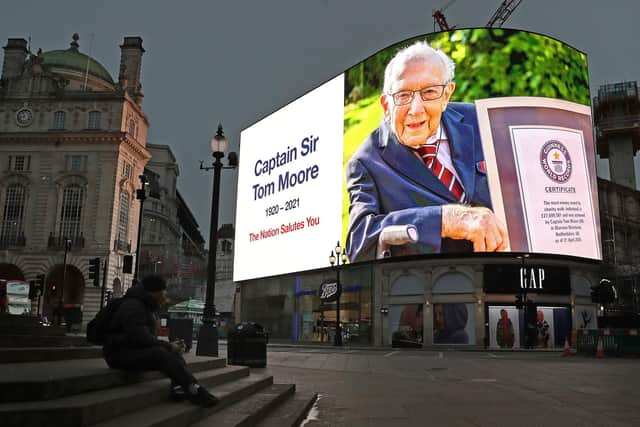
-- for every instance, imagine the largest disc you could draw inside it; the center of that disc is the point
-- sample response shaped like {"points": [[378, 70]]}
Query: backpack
{"points": [[98, 327]]}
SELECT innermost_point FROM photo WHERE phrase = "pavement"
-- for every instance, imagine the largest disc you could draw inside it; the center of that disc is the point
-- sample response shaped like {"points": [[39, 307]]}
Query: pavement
{"points": [[363, 386], [388, 387]]}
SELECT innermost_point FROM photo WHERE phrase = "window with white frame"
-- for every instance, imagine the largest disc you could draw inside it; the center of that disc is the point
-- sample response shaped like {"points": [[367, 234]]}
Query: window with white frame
{"points": [[71, 214], [58, 119], [14, 207], [126, 170], [123, 217], [94, 120], [19, 163]]}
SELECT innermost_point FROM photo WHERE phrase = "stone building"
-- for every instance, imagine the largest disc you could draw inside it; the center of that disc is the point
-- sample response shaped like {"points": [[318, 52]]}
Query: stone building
{"points": [[72, 145], [172, 244]]}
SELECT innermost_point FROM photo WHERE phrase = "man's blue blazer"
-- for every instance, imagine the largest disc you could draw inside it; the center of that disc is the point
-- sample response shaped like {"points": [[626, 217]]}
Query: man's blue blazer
{"points": [[389, 185]]}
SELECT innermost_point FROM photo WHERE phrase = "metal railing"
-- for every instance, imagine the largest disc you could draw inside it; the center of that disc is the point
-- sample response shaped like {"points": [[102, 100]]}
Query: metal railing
{"points": [[58, 242], [12, 241]]}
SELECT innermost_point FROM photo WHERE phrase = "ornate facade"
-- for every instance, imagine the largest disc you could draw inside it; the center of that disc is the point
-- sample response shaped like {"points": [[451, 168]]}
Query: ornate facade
{"points": [[72, 145]]}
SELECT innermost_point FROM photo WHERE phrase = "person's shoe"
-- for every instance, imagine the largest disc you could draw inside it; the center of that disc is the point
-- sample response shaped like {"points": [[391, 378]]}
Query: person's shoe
{"points": [[177, 393], [203, 398]]}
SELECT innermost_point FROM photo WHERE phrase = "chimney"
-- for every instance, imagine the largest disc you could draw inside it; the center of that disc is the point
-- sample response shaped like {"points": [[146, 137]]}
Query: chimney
{"points": [[15, 55], [130, 65]]}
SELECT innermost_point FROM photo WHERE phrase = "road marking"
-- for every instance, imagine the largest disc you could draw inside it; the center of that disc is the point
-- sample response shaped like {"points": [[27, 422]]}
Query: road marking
{"points": [[391, 354], [492, 355], [431, 376], [484, 380], [440, 355]]}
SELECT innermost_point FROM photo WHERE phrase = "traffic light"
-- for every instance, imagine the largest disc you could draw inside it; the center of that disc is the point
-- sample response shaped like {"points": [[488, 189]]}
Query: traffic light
{"points": [[519, 302], [40, 281], [52, 289], [94, 271]]}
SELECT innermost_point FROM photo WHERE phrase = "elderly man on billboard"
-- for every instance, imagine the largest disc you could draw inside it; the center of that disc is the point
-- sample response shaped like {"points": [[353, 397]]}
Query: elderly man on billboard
{"points": [[419, 180]]}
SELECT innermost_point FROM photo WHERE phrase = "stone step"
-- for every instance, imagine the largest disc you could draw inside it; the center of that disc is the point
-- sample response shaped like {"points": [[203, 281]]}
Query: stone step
{"points": [[113, 403], [49, 354], [29, 329], [18, 340], [291, 412], [21, 382], [184, 413], [249, 411]]}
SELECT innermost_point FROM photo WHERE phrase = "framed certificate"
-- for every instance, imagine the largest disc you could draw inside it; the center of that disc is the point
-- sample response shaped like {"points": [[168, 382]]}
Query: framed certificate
{"points": [[540, 159]]}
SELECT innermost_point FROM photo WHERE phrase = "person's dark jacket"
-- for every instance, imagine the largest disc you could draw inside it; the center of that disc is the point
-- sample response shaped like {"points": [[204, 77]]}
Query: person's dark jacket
{"points": [[134, 322]]}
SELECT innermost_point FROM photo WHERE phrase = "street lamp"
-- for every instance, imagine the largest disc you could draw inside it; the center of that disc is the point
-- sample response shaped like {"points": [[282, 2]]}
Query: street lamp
{"points": [[141, 194], [208, 336], [523, 291], [337, 260], [67, 248]]}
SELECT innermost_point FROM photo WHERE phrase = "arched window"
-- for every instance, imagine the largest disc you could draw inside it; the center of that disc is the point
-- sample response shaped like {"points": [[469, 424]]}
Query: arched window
{"points": [[94, 120], [58, 119], [71, 213], [12, 229], [123, 218]]}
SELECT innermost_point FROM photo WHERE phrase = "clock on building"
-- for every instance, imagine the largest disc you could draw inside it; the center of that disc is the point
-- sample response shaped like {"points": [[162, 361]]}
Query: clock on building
{"points": [[24, 117]]}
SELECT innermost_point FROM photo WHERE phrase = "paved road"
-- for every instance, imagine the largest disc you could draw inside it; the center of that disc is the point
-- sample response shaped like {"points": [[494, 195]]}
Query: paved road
{"points": [[456, 388]]}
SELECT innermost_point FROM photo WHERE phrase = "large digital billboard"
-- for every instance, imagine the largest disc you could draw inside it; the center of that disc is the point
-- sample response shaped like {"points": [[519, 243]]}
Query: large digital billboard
{"points": [[473, 140]]}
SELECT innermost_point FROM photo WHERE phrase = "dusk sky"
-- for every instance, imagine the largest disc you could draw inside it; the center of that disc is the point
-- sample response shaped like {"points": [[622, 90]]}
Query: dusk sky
{"points": [[234, 62]]}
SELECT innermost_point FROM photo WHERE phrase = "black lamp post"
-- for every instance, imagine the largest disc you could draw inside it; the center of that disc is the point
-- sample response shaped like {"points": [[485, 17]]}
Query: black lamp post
{"points": [[523, 290], [337, 258], [141, 194], [67, 248], [208, 336]]}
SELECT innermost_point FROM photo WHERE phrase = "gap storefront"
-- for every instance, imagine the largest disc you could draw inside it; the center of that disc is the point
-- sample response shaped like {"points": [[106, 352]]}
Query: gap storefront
{"points": [[429, 302]]}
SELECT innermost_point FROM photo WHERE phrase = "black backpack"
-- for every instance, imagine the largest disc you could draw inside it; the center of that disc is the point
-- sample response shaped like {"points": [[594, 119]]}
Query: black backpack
{"points": [[98, 328]]}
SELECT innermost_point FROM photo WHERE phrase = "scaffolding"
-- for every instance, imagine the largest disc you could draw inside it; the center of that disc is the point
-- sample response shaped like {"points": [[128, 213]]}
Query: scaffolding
{"points": [[616, 112]]}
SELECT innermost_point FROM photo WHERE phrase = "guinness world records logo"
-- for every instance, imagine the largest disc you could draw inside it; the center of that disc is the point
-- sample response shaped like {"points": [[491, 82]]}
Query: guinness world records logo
{"points": [[556, 161]]}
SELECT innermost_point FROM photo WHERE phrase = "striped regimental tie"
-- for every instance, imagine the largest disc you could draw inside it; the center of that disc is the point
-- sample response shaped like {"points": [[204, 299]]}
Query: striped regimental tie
{"points": [[429, 156]]}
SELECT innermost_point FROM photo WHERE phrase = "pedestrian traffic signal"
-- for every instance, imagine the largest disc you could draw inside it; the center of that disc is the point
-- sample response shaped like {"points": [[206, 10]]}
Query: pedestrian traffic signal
{"points": [[94, 271], [519, 302]]}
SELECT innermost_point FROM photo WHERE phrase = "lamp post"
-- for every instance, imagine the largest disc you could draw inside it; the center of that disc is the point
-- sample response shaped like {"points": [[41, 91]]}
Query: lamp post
{"points": [[141, 194], [67, 248], [208, 336], [523, 290], [337, 258]]}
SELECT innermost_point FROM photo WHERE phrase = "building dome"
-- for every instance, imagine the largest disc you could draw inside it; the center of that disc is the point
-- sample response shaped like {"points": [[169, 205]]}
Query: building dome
{"points": [[72, 59]]}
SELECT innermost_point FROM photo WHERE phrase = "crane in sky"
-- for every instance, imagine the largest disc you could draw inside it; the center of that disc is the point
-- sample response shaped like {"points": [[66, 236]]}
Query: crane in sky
{"points": [[503, 12]]}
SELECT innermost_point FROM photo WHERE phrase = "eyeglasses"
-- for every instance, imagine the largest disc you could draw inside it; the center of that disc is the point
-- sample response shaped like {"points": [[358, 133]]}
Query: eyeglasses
{"points": [[430, 93]]}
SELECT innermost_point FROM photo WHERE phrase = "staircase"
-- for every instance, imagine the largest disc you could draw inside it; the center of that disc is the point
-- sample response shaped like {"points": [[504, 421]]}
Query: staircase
{"points": [[51, 379], [85, 392]]}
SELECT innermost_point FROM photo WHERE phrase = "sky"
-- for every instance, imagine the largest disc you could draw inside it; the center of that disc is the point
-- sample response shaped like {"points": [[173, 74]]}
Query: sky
{"points": [[236, 61]]}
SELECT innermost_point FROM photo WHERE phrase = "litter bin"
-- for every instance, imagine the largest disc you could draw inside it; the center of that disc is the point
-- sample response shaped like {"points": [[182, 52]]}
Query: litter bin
{"points": [[247, 345], [181, 329], [73, 318]]}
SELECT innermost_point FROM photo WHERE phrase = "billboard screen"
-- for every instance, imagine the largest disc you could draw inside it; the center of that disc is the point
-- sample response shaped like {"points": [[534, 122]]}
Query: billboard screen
{"points": [[473, 140]]}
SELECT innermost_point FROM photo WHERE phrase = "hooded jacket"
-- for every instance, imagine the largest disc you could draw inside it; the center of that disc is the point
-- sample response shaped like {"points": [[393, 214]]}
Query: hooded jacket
{"points": [[134, 323], [455, 320]]}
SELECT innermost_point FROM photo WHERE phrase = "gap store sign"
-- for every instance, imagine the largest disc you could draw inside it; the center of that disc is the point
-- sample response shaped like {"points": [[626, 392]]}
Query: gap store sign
{"points": [[511, 279]]}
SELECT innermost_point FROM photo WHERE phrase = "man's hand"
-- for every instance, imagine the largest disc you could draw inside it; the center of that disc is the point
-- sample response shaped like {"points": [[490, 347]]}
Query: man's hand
{"points": [[476, 224], [177, 346]]}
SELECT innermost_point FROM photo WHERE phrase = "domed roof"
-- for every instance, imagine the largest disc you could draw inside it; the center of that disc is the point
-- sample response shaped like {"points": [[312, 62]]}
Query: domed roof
{"points": [[72, 59]]}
